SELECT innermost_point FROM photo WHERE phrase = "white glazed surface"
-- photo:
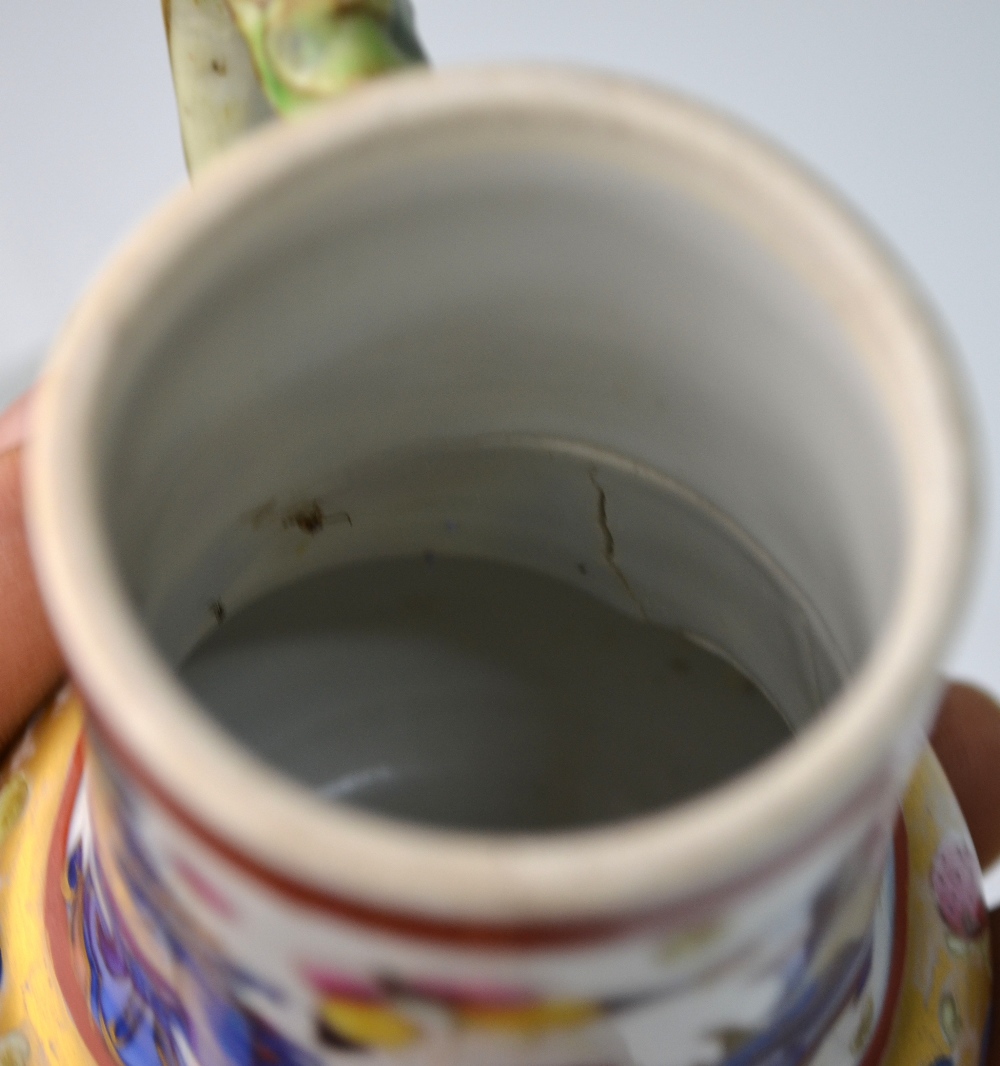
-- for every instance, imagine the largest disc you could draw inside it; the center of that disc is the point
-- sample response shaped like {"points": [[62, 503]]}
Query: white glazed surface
{"points": [[859, 450], [783, 968], [903, 139], [494, 255]]}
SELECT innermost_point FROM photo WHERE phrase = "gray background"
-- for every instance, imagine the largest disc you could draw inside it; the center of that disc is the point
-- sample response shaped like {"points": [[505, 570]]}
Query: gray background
{"points": [[897, 102]]}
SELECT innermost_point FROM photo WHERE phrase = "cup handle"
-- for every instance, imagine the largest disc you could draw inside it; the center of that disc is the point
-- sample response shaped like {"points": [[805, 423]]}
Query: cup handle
{"points": [[239, 63]]}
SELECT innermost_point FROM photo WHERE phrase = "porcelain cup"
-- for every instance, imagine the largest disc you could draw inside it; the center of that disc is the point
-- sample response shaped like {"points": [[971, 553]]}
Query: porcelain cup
{"points": [[502, 255]]}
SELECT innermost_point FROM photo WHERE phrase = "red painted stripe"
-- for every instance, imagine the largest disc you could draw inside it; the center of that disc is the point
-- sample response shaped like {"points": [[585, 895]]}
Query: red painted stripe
{"points": [[880, 1038], [477, 934], [57, 928], [57, 921]]}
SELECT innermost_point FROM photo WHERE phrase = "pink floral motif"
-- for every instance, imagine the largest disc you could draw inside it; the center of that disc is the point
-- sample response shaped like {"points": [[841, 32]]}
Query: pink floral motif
{"points": [[204, 889], [387, 1014], [334, 984], [956, 884]]}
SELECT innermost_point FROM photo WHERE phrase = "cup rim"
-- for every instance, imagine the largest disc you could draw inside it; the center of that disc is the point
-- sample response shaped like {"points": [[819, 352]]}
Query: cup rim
{"points": [[792, 798]]}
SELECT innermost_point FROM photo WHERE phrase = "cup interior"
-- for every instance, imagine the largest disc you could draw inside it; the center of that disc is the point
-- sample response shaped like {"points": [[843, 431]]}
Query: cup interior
{"points": [[509, 335]]}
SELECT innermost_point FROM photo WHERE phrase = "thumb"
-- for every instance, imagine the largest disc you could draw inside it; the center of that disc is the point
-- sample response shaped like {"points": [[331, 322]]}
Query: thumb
{"points": [[30, 663]]}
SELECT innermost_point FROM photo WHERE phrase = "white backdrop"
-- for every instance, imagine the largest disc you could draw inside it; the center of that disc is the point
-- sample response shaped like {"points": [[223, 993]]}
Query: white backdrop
{"points": [[896, 101]]}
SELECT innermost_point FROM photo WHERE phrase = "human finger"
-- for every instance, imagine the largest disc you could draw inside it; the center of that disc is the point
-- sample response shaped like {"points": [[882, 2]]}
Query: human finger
{"points": [[30, 662], [967, 742]]}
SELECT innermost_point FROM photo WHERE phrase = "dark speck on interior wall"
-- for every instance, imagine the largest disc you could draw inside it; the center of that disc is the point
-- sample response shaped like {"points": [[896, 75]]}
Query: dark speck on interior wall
{"points": [[311, 518]]}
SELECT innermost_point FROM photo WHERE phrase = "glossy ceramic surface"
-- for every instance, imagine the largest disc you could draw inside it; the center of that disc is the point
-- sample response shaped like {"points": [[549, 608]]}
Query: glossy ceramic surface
{"points": [[624, 274], [239, 63], [100, 972]]}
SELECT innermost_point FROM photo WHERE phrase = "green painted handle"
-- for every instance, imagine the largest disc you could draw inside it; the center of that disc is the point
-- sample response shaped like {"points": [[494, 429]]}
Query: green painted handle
{"points": [[238, 63]]}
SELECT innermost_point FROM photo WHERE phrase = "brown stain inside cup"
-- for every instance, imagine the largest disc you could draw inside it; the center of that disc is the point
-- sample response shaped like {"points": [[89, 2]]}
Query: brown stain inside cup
{"points": [[310, 518]]}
